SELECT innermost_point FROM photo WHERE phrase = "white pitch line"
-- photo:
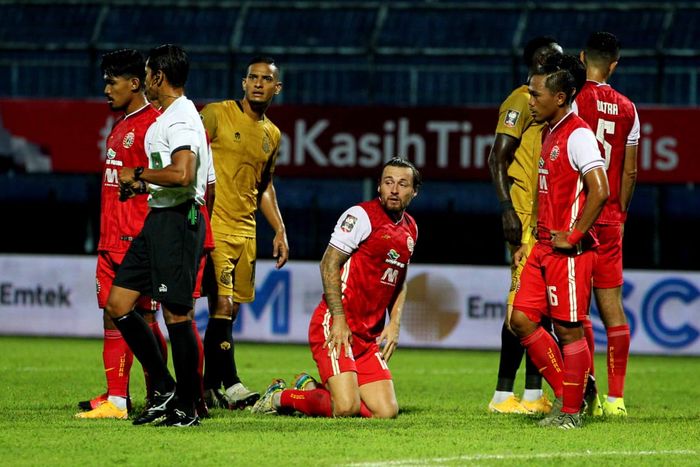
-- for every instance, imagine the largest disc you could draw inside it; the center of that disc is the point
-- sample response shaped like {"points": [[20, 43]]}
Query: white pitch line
{"points": [[486, 457]]}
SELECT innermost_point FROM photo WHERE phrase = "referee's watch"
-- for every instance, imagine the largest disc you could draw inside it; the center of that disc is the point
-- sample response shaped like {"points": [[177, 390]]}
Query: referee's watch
{"points": [[137, 173]]}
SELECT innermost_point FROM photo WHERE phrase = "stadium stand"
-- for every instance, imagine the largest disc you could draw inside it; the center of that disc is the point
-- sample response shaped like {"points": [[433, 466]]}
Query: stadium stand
{"points": [[404, 53]]}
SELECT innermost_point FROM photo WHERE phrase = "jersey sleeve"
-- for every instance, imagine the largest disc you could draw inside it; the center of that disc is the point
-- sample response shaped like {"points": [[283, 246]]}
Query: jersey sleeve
{"points": [[633, 137], [352, 228], [209, 120], [211, 173], [182, 135], [514, 116], [584, 154]]}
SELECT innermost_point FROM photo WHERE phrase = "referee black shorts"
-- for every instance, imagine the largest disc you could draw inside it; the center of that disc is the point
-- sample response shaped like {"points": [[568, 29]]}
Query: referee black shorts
{"points": [[163, 259]]}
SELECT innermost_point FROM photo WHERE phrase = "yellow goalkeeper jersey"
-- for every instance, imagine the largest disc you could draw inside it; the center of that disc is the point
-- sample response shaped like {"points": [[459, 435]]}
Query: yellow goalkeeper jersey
{"points": [[514, 119], [245, 151]]}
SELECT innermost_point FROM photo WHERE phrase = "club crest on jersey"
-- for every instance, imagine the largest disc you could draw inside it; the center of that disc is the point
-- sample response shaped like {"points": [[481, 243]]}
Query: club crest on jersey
{"points": [[266, 144], [128, 140], [237, 137], [111, 153], [554, 154], [511, 118], [348, 223], [410, 244]]}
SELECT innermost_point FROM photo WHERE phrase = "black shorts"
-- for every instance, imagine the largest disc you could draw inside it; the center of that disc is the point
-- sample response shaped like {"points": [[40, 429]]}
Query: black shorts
{"points": [[163, 259]]}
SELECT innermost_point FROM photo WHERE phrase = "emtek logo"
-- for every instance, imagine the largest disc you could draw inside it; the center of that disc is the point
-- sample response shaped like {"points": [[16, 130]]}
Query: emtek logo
{"points": [[274, 294], [39, 296]]}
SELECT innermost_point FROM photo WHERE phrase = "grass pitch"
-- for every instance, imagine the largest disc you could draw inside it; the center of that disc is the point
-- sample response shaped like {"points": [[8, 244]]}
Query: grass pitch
{"points": [[443, 420]]}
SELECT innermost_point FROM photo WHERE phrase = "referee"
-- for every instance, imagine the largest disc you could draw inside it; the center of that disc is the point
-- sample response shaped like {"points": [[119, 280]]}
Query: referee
{"points": [[162, 260]]}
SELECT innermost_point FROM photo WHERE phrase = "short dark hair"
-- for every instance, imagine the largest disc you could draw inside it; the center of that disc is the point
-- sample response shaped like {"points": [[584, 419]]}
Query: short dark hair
{"points": [[173, 61], [401, 162], [128, 63], [602, 47], [264, 59], [565, 73], [534, 45]]}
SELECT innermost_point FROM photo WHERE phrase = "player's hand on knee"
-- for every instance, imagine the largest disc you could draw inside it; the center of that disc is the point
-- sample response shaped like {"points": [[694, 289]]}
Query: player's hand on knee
{"points": [[339, 336]]}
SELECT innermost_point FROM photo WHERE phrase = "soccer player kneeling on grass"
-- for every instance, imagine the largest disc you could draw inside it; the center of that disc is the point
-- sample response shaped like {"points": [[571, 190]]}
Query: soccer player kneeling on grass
{"points": [[363, 272]]}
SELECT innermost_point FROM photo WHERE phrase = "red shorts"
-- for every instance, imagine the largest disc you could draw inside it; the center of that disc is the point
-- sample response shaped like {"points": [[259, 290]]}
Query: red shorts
{"points": [[107, 264], [556, 285], [608, 271], [208, 247], [367, 360]]}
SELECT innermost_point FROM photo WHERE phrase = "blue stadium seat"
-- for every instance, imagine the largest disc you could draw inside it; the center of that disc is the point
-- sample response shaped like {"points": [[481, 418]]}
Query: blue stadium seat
{"points": [[152, 26], [48, 24], [685, 31], [292, 27], [446, 28], [635, 28]]}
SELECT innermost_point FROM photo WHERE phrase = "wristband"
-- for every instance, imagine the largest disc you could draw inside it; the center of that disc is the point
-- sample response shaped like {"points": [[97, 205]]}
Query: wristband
{"points": [[143, 189], [507, 205], [575, 237], [137, 173]]}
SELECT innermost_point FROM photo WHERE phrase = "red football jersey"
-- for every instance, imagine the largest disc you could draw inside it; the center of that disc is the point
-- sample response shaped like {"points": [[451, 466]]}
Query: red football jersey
{"points": [[121, 221], [380, 251], [569, 151], [614, 120]]}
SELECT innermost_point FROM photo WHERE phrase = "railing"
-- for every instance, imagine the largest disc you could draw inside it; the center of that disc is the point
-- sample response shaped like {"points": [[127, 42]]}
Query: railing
{"points": [[38, 68]]}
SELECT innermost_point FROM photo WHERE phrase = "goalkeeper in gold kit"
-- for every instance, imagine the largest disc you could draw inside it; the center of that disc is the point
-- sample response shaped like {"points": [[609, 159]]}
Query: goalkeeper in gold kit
{"points": [[513, 167], [245, 144]]}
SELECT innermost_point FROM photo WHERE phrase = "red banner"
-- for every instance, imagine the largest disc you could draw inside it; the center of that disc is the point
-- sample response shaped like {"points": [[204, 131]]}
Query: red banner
{"points": [[445, 143]]}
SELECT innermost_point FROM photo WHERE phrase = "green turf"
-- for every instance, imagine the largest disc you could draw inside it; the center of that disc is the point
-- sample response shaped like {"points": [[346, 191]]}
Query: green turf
{"points": [[443, 419]]}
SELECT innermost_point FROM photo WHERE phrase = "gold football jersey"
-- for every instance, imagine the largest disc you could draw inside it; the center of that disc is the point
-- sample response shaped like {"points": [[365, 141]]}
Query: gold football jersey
{"points": [[244, 150], [514, 119]]}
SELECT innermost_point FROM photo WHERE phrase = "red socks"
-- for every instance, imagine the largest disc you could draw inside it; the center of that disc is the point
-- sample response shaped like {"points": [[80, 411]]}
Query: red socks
{"points": [[545, 354], [316, 402], [590, 340], [618, 354], [577, 363], [117, 359]]}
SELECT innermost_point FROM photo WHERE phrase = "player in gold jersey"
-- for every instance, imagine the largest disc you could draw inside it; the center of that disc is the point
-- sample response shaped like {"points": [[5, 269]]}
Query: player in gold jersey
{"points": [[513, 166], [245, 144]]}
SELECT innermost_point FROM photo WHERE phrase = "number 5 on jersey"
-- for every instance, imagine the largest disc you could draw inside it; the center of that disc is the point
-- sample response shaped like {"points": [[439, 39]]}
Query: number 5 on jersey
{"points": [[605, 127]]}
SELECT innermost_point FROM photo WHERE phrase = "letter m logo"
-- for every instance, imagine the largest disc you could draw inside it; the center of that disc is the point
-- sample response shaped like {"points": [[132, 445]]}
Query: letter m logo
{"points": [[273, 295], [111, 175], [390, 276]]}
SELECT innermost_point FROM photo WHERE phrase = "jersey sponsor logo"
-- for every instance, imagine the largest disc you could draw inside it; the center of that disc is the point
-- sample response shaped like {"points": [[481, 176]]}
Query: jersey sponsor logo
{"points": [[348, 223], [393, 259], [390, 276], [111, 176], [128, 140], [511, 118], [266, 144], [410, 243], [111, 153], [554, 154]]}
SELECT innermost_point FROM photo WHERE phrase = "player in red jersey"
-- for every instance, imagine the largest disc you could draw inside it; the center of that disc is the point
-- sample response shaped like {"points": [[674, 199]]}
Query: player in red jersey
{"points": [[363, 272], [613, 118], [556, 279], [120, 221]]}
